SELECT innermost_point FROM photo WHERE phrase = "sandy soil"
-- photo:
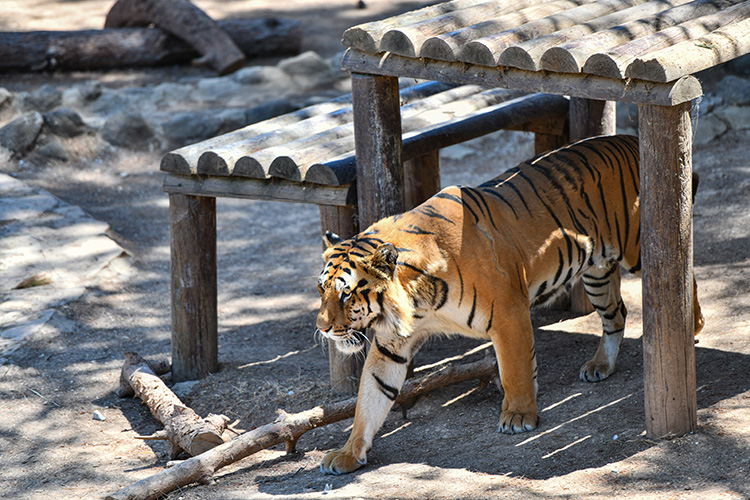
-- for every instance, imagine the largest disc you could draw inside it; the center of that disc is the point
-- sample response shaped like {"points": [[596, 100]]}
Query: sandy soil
{"points": [[590, 442]]}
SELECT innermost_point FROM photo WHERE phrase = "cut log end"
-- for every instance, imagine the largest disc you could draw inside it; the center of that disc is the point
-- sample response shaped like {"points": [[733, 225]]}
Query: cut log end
{"points": [[399, 43], [437, 48], [560, 61], [477, 53]]}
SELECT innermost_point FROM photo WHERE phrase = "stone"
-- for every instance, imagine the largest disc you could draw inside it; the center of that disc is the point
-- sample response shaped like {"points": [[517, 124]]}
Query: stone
{"points": [[54, 150], [129, 130], [65, 123], [737, 117], [268, 110], [191, 126], [45, 98], [707, 129], [19, 134], [309, 70], [734, 91], [5, 97]]}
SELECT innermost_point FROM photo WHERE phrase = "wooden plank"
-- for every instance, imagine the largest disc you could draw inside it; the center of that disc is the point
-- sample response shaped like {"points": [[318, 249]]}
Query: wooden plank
{"points": [[589, 118], [421, 178], [377, 127], [667, 260], [588, 86], [227, 154], [527, 55], [614, 63], [260, 189], [571, 56], [344, 370], [292, 159], [366, 37], [692, 56], [446, 46], [192, 222], [407, 40], [486, 51]]}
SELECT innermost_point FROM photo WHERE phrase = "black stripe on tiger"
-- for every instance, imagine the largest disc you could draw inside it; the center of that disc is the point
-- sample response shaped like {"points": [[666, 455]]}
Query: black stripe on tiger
{"points": [[389, 391], [390, 354], [412, 229], [430, 211], [473, 309]]}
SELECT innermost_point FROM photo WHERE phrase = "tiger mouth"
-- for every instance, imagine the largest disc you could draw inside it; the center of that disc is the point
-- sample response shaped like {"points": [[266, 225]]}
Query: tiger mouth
{"points": [[351, 342]]}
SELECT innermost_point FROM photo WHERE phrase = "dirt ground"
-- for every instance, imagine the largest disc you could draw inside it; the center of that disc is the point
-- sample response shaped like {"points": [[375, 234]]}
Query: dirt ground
{"points": [[590, 442]]}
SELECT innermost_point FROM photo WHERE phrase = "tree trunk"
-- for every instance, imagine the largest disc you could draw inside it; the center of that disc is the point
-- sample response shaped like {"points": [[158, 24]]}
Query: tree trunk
{"points": [[123, 47]]}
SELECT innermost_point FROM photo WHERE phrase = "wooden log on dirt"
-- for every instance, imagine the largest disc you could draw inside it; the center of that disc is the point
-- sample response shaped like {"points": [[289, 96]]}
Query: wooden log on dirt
{"points": [[185, 21], [125, 47], [183, 428], [287, 429]]}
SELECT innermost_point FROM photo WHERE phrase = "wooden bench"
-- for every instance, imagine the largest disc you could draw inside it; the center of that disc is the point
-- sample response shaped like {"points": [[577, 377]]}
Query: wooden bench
{"points": [[308, 157]]}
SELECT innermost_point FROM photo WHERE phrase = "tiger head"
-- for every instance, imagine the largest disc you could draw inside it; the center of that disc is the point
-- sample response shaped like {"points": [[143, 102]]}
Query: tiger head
{"points": [[353, 288]]}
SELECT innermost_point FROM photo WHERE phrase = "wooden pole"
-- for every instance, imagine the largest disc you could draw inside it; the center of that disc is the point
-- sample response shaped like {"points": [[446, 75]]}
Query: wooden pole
{"points": [[589, 118], [192, 221], [667, 269], [377, 138], [344, 370], [421, 178]]}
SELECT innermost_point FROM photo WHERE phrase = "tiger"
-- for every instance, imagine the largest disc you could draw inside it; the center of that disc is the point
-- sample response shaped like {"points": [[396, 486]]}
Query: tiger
{"points": [[472, 261]]}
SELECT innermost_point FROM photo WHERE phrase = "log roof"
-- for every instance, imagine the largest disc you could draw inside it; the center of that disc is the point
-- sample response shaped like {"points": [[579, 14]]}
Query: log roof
{"points": [[655, 40]]}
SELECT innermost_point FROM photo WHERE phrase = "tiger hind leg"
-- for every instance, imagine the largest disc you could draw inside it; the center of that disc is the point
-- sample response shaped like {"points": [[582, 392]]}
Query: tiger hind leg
{"points": [[602, 285]]}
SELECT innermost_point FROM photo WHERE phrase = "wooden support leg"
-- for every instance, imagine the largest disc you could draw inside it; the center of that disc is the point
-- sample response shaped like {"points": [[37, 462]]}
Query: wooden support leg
{"points": [[377, 139], [589, 118], [344, 370], [667, 269], [192, 221], [421, 178]]}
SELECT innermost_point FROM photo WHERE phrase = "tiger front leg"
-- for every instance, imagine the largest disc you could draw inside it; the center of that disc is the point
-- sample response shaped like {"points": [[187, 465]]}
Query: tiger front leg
{"points": [[382, 379], [514, 346]]}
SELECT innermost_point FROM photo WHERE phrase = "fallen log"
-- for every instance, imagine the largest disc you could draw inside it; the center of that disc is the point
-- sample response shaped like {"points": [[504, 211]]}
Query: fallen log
{"points": [[183, 428], [128, 47], [287, 429], [185, 21]]}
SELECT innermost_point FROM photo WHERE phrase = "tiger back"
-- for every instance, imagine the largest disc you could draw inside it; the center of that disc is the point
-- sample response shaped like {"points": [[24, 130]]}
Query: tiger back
{"points": [[471, 261]]}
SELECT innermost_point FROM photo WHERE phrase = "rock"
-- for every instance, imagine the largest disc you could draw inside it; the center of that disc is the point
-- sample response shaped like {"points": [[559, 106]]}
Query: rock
{"points": [[183, 389], [737, 117], [19, 135], [65, 123], [129, 130], [97, 415], [708, 128], [5, 97], [191, 126], [218, 89], [54, 150], [734, 90], [268, 110], [45, 98], [309, 70]]}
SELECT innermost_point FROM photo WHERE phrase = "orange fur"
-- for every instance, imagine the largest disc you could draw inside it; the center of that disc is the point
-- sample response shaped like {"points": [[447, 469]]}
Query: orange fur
{"points": [[471, 261]]}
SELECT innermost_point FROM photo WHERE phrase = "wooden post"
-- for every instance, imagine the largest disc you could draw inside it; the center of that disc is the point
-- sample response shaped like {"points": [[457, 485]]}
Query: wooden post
{"points": [[667, 269], [589, 118], [377, 138], [344, 370], [421, 178], [192, 221]]}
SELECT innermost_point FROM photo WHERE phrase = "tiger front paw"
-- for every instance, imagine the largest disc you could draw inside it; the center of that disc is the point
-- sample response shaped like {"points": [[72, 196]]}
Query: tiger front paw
{"points": [[514, 422], [596, 372], [341, 461]]}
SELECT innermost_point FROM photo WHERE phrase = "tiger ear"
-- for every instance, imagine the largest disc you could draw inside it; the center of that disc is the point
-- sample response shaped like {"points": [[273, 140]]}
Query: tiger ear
{"points": [[331, 239], [382, 263]]}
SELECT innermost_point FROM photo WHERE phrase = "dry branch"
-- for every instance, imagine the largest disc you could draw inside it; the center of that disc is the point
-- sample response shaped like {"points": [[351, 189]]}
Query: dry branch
{"points": [[287, 429], [185, 21], [183, 428]]}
